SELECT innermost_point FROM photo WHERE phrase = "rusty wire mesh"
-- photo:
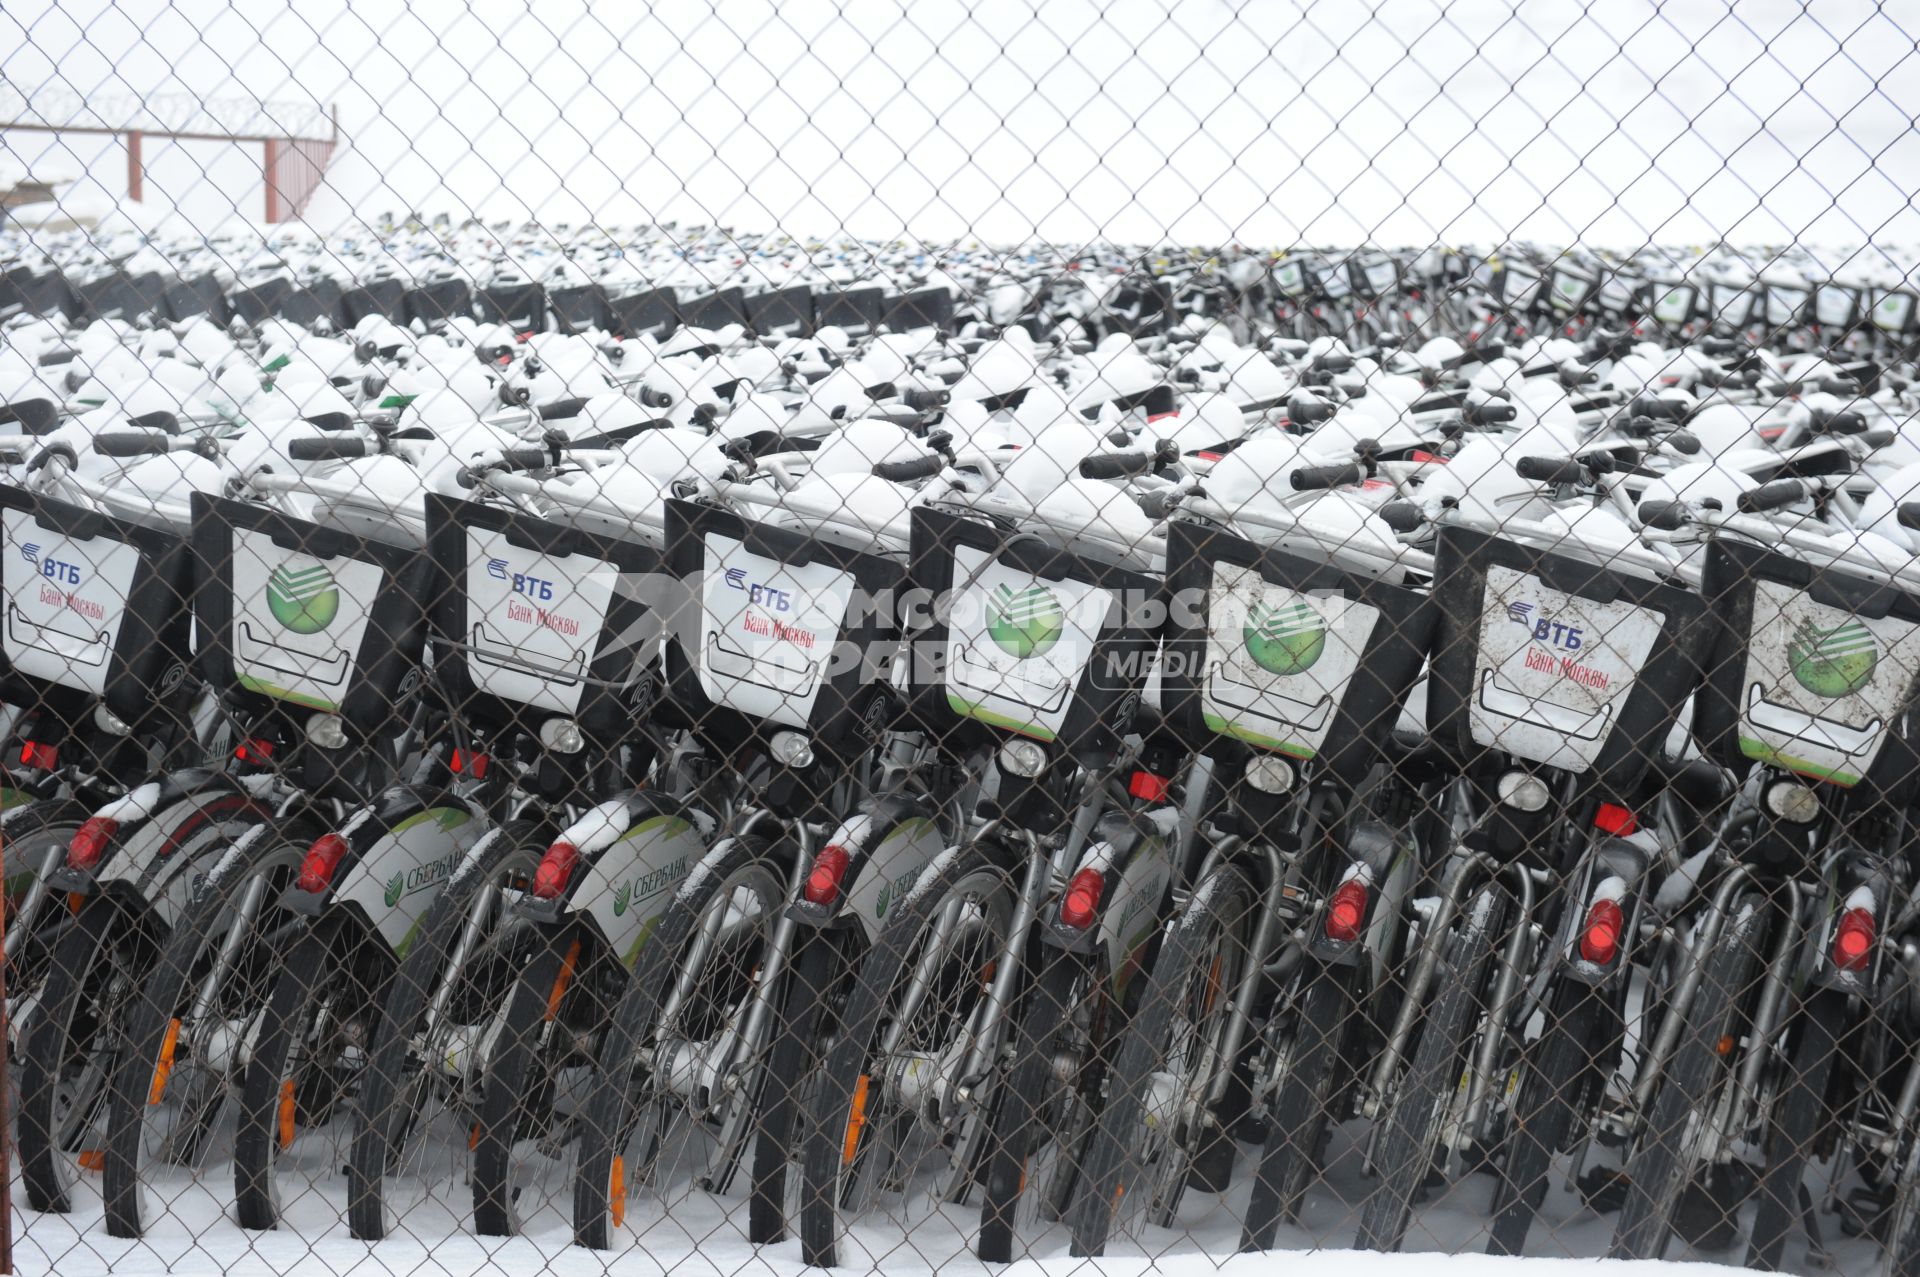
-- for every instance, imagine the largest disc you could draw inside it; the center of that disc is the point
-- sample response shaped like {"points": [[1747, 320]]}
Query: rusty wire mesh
{"points": [[905, 637]]}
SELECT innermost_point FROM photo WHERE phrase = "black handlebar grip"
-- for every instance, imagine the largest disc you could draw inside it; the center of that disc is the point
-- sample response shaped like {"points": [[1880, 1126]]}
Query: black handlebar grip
{"points": [[1684, 442], [1657, 408], [1844, 386], [1309, 478], [1306, 410], [1666, 515], [327, 449], [1846, 422], [132, 443], [525, 458], [924, 400], [1401, 516], [1550, 469], [1772, 496], [654, 397], [561, 408], [1909, 514], [908, 471], [1878, 438], [1490, 412], [1116, 465]]}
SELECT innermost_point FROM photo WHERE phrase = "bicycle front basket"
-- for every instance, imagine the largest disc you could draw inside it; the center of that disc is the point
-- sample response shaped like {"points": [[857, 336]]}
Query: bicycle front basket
{"points": [[1815, 673], [305, 614], [1556, 661]]}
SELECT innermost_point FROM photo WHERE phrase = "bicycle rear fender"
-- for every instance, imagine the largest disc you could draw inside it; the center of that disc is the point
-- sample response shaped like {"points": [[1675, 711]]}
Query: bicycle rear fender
{"points": [[168, 832], [887, 848], [635, 853], [402, 849]]}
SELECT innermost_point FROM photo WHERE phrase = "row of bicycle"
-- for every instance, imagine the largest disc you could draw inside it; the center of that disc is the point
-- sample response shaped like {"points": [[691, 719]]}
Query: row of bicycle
{"points": [[634, 812]]}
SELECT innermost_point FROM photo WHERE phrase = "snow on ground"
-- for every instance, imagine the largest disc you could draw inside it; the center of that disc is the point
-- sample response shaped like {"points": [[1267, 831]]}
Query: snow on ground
{"points": [[687, 1233]]}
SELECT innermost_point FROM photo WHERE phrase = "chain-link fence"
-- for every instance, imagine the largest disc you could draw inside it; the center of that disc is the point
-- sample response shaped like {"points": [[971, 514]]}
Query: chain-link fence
{"points": [[756, 637]]}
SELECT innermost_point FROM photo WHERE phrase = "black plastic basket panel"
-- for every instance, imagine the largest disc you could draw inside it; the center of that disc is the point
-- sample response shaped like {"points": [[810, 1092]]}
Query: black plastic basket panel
{"points": [[1029, 637], [1556, 661], [785, 629], [306, 614], [1287, 654], [93, 603], [537, 614], [1817, 670]]}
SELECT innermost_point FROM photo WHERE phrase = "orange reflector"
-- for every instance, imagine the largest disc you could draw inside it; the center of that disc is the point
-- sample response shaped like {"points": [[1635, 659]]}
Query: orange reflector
{"points": [[561, 981], [93, 1159], [617, 1192], [855, 1120], [473, 1138], [1725, 1044], [74, 901], [164, 1070], [286, 1113]]}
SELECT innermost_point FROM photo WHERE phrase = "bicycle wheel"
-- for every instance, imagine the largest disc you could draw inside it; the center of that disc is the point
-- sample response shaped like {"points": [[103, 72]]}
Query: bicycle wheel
{"points": [[187, 1029], [790, 1066], [314, 1023], [1663, 1158], [1148, 1133], [1799, 1113], [1552, 1097], [453, 979], [1428, 1087], [69, 1051], [697, 970], [1302, 1112], [910, 1022], [1903, 1233], [532, 1073]]}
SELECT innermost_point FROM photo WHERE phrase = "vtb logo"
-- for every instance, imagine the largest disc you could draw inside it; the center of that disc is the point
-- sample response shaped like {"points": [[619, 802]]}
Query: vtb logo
{"points": [[55, 570], [1552, 633], [534, 587], [765, 595]]}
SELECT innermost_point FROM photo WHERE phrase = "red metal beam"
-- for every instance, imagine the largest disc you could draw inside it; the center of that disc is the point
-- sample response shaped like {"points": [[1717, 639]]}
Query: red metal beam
{"points": [[134, 173]]}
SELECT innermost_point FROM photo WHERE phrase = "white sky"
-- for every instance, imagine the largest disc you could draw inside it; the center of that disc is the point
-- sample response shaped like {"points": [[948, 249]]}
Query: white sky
{"points": [[1270, 122]]}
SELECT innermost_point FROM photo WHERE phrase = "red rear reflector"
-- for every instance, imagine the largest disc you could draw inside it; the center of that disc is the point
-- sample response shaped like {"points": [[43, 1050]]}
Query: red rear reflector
{"points": [[1082, 902], [40, 757], [1148, 786], [90, 841], [1614, 819], [254, 751], [1600, 937], [1853, 942], [321, 863], [1205, 455], [1162, 416], [555, 871], [829, 871], [471, 764], [1346, 911], [1433, 458]]}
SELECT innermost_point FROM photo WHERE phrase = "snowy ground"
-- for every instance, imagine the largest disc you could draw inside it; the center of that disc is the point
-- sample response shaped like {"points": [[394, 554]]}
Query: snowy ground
{"points": [[686, 1233]]}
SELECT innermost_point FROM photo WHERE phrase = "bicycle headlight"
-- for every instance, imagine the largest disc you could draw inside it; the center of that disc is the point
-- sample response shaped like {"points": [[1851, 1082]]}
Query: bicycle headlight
{"points": [[562, 736], [791, 749], [1790, 800], [327, 731], [1023, 758], [1523, 792], [1270, 773]]}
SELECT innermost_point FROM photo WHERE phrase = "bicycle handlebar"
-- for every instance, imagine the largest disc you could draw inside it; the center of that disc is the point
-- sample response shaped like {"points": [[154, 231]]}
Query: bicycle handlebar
{"points": [[1772, 496]]}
